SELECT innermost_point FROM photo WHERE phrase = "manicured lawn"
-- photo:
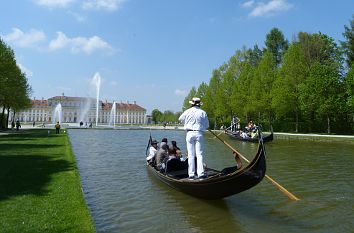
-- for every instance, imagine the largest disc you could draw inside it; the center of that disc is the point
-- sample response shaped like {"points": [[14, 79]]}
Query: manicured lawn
{"points": [[40, 188]]}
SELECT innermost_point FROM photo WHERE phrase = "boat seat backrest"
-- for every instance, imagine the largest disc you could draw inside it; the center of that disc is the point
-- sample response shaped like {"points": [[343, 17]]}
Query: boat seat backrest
{"points": [[175, 164]]}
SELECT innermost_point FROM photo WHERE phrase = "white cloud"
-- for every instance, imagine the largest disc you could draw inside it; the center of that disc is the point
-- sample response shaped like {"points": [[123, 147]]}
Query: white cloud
{"points": [[34, 39], [54, 3], [181, 93], [25, 40], [77, 16], [248, 4], [269, 8], [25, 70], [109, 5], [79, 44]]}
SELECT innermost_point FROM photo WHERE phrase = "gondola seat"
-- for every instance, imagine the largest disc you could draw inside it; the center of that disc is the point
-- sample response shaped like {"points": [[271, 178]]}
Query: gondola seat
{"points": [[177, 168]]}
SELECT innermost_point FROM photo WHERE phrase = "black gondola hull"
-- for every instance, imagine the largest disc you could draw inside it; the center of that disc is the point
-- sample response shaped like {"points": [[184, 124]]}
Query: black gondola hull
{"points": [[220, 185]]}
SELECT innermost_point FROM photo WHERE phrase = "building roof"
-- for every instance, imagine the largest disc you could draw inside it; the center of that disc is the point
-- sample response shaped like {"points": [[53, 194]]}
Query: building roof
{"points": [[68, 98], [128, 106], [39, 103], [123, 106], [105, 105]]}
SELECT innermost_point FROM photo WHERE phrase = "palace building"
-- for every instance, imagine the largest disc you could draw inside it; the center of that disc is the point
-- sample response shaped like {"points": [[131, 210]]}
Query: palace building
{"points": [[77, 109]]}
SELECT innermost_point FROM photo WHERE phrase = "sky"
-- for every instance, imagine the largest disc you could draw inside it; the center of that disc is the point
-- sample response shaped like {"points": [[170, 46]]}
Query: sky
{"points": [[149, 51]]}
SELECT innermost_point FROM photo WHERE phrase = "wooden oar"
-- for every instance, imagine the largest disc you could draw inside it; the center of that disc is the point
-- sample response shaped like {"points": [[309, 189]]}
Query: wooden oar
{"points": [[281, 188], [218, 134]]}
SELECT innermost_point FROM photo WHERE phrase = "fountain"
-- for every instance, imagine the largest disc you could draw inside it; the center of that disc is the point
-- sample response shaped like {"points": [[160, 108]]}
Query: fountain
{"points": [[112, 117], [57, 114], [97, 82], [84, 110]]}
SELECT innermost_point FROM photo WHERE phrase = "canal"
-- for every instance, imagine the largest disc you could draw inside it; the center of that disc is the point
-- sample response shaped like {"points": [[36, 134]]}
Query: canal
{"points": [[124, 197]]}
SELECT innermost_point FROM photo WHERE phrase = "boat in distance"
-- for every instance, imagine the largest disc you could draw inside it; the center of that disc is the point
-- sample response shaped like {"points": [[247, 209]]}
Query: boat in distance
{"points": [[237, 136], [217, 184]]}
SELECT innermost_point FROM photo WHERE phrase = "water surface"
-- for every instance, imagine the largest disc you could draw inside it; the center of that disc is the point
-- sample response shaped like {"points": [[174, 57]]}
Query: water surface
{"points": [[124, 197]]}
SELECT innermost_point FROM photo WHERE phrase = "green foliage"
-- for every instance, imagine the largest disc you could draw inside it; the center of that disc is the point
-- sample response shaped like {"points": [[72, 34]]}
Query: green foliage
{"points": [[285, 91], [349, 85], [192, 93], [276, 44], [14, 88], [261, 85], [322, 92], [348, 44], [300, 86], [165, 117], [156, 115], [320, 48]]}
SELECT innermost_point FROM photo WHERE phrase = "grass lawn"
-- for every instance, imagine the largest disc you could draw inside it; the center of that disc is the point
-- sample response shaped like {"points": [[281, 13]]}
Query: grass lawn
{"points": [[40, 189]]}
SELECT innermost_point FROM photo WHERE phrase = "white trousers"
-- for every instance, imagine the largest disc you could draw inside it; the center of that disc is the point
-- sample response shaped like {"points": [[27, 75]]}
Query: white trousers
{"points": [[195, 146]]}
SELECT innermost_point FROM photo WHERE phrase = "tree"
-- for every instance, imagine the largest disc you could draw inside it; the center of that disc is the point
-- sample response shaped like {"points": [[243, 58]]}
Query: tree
{"points": [[320, 48], [262, 84], [285, 91], [276, 44], [192, 93], [254, 55], [348, 45], [322, 93], [156, 115], [169, 116], [209, 99], [202, 90], [14, 88], [349, 85]]}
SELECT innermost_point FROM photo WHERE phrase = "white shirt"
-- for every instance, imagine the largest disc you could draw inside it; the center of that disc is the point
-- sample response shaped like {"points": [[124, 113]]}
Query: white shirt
{"points": [[194, 118], [152, 153]]}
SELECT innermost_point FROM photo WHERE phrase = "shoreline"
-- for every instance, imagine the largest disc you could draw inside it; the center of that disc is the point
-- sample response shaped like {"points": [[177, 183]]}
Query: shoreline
{"points": [[278, 135]]}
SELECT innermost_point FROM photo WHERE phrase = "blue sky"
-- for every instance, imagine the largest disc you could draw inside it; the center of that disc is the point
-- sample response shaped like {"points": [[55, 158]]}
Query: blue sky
{"points": [[148, 51]]}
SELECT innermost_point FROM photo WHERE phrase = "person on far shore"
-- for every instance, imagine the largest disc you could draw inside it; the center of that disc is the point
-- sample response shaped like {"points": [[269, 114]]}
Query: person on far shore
{"points": [[18, 125], [57, 128], [195, 122]]}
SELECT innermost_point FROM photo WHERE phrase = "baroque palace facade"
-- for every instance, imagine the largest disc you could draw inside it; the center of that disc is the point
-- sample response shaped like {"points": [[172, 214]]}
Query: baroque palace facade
{"points": [[76, 109]]}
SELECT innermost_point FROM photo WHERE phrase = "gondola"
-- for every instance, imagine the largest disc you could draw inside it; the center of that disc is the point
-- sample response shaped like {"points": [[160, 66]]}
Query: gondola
{"points": [[218, 184], [236, 135]]}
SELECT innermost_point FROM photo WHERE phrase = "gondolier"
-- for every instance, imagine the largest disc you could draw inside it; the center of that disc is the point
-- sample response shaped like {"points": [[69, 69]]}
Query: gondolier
{"points": [[195, 122]]}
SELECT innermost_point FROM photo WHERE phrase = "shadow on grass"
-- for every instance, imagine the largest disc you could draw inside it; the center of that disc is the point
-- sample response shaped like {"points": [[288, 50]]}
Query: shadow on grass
{"points": [[28, 167], [23, 174], [25, 147]]}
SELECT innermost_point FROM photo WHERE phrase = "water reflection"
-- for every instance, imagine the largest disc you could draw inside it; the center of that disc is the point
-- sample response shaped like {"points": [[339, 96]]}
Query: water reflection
{"points": [[200, 215]]}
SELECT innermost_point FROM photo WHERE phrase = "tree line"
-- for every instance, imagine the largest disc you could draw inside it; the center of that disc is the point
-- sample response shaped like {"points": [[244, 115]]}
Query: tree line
{"points": [[306, 85], [14, 88], [303, 86]]}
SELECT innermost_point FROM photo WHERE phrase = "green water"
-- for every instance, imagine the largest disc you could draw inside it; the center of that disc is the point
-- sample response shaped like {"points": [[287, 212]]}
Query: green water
{"points": [[124, 197]]}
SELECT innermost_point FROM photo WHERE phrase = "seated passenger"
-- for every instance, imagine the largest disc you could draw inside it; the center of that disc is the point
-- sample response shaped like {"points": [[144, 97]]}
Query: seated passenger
{"points": [[249, 128], [244, 135], [162, 155], [174, 151], [254, 133], [163, 141], [152, 152]]}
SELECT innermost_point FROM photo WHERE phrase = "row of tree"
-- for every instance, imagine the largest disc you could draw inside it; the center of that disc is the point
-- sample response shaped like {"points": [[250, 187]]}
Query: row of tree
{"points": [[14, 88], [303, 86]]}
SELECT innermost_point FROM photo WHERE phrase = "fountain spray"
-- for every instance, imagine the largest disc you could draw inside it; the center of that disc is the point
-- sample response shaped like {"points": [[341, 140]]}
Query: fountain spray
{"points": [[97, 81]]}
